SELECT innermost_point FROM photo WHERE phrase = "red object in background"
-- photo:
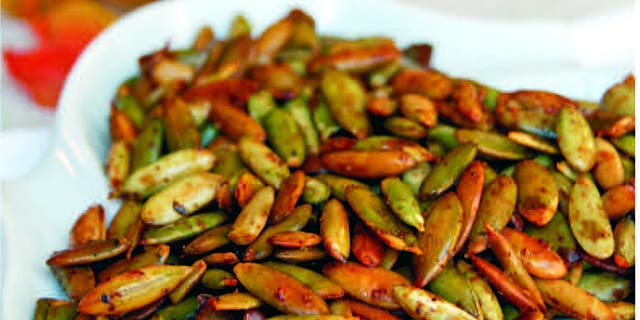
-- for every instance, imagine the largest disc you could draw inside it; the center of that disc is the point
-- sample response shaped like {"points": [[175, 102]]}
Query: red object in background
{"points": [[62, 34]]}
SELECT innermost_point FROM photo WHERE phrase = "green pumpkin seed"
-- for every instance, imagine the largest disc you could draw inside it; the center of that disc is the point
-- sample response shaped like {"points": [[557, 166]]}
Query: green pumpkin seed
{"points": [[575, 139], [622, 310], [183, 229], [621, 98], [445, 135], [605, 286], [118, 163], [556, 233], [629, 169], [389, 258], [260, 104], [229, 165], [376, 216], [492, 144], [181, 311], [532, 141], [489, 305], [300, 111], [414, 177], [452, 286], [181, 131], [625, 238], [179, 292], [218, 279], [626, 144], [404, 127], [130, 106], [496, 208], [443, 225], [285, 137], [260, 247], [347, 102], [324, 121], [445, 172], [317, 282], [402, 202], [262, 161], [153, 176], [315, 191], [564, 185], [339, 184], [208, 133], [124, 219], [340, 307]]}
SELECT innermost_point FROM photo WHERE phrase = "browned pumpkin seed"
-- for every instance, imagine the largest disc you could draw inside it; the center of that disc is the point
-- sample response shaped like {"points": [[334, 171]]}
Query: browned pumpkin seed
{"points": [[89, 252], [572, 300], [260, 248], [246, 187], [537, 192], [421, 304], [334, 230], [287, 196], [619, 200], [88, 227], [132, 290], [253, 217], [371, 285], [625, 238], [368, 163], [588, 220], [608, 170], [366, 247], [469, 191], [221, 258], [317, 282], [294, 239], [179, 292], [279, 289], [152, 255]]}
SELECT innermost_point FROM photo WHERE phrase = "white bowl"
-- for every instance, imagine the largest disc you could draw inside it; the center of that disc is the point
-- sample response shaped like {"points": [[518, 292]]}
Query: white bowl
{"points": [[39, 210]]}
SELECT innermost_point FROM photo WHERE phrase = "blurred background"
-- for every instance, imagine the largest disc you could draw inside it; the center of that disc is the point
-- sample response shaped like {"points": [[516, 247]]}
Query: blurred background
{"points": [[42, 38]]}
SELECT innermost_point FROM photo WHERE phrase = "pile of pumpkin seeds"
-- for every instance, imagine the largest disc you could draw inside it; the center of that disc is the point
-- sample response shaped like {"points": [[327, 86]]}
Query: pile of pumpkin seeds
{"points": [[299, 176]]}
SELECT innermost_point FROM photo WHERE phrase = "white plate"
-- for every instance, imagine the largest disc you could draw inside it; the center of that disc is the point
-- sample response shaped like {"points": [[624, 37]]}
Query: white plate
{"points": [[39, 210]]}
